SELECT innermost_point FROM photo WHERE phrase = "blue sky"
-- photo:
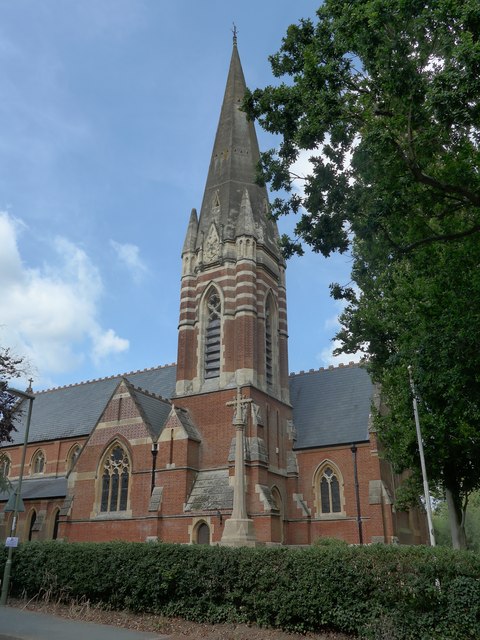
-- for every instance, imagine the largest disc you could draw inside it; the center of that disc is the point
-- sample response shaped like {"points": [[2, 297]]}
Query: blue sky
{"points": [[107, 119]]}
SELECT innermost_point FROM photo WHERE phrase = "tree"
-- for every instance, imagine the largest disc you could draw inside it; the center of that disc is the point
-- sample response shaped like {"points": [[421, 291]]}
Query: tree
{"points": [[472, 524], [384, 95], [388, 91], [9, 368], [424, 310]]}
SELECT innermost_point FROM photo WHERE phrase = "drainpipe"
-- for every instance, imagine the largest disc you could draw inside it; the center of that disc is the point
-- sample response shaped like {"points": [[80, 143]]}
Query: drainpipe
{"points": [[353, 449], [154, 464]]}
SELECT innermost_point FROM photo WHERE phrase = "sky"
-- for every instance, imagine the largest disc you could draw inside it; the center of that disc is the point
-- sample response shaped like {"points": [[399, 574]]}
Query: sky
{"points": [[108, 113]]}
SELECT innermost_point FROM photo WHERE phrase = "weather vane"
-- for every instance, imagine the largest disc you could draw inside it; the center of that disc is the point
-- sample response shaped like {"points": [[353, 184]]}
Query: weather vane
{"points": [[235, 32]]}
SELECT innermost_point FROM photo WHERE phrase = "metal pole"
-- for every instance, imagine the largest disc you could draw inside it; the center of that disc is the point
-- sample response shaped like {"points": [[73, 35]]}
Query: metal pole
{"points": [[353, 449], [426, 490], [18, 493]]}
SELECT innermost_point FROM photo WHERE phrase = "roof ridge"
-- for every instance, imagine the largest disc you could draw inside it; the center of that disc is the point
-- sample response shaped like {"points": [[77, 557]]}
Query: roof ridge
{"points": [[330, 367], [151, 394], [111, 377]]}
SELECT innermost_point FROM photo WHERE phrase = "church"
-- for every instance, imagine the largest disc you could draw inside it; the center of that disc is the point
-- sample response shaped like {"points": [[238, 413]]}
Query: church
{"points": [[225, 447]]}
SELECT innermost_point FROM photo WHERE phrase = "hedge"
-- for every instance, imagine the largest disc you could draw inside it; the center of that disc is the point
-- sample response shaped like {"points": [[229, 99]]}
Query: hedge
{"points": [[375, 592]]}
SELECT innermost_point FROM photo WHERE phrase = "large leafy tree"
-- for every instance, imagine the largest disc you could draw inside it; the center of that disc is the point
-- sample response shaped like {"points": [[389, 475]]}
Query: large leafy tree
{"points": [[10, 367], [384, 96]]}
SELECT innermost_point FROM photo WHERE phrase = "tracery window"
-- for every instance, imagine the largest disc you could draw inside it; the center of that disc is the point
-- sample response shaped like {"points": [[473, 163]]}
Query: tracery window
{"points": [[115, 480], [38, 463], [212, 335], [330, 491]]}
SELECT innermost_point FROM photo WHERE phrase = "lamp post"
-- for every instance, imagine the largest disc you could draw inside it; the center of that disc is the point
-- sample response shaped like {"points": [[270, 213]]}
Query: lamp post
{"points": [[426, 490], [25, 395]]}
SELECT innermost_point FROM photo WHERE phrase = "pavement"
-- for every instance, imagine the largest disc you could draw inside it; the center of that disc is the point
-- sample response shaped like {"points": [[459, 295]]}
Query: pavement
{"points": [[19, 624]]}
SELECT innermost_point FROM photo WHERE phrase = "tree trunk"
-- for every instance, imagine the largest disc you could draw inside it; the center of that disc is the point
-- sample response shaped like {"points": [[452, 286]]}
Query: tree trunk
{"points": [[457, 522]]}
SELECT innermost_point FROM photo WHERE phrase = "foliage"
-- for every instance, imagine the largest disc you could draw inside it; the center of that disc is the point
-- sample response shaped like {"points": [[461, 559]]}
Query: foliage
{"points": [[423, 311], [388, 91], [472, 523], [417, 591], [9, 368], [385, 96]]}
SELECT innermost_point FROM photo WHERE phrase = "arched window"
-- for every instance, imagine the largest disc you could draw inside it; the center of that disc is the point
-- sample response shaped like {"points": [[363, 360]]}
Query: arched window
{"points": [[31, 524], [329, 490], [38, 463], [213, 329], [72, 457], [278, 516], [115, 480], [56, 522], [203, 533], [5, 465]]}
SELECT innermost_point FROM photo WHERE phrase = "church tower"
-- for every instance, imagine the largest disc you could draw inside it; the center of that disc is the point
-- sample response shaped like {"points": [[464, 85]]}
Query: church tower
{"points": [[233, 320]]}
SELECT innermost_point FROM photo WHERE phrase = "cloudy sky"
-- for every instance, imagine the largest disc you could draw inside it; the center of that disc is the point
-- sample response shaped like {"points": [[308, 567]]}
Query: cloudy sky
{"points": [[108, 113]]}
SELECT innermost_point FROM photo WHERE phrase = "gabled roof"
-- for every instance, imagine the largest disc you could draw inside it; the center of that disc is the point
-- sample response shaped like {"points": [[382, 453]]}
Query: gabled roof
{"points": [[74, 410], [331, 406], [187, 423], [155, 410]]}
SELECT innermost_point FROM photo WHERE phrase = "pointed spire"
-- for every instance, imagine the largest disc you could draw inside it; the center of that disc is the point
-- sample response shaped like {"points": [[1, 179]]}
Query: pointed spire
{"points": [[233, 168], [191, 235]]}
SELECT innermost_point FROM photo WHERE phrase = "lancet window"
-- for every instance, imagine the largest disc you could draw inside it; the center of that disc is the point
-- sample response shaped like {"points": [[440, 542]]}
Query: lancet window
{"points": [[115, 480], [72, 457], [213, 331], [38, 463]]}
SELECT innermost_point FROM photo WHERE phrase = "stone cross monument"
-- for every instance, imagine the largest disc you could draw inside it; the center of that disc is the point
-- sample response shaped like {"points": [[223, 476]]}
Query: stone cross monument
{"points": [[239, 529]]}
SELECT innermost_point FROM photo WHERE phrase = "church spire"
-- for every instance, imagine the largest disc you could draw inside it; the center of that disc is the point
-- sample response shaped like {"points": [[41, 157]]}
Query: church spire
{"points": [[233, 168]]}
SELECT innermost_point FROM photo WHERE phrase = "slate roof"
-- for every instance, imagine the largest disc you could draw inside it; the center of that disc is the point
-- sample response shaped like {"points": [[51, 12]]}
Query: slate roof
{"points": [[74, 410], [211, 491], [331, 406], [155, 410], [187, 424], [37, 488]]}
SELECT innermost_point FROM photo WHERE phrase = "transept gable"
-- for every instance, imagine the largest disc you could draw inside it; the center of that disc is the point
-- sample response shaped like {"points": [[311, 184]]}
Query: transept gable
{"points": [[182, 424]]}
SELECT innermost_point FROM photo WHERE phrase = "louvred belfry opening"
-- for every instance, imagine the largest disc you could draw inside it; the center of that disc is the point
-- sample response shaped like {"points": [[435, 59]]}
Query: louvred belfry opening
{"points": [[213, 336], [268, 347]]}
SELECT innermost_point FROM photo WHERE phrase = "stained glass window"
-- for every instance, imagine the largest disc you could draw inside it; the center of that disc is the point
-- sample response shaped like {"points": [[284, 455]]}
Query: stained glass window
{"points": [[330, 492], [115, 480]]}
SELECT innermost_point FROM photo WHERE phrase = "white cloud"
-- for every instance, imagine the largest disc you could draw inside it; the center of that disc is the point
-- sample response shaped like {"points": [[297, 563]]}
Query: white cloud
{"points": [[129, 256], [326, 356], [106, 343], [50, 314]]}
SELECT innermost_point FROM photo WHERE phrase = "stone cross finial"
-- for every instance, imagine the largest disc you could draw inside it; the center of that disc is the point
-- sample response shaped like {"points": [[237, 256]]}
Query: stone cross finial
{"points": [[240, 408], [30, 390]]}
